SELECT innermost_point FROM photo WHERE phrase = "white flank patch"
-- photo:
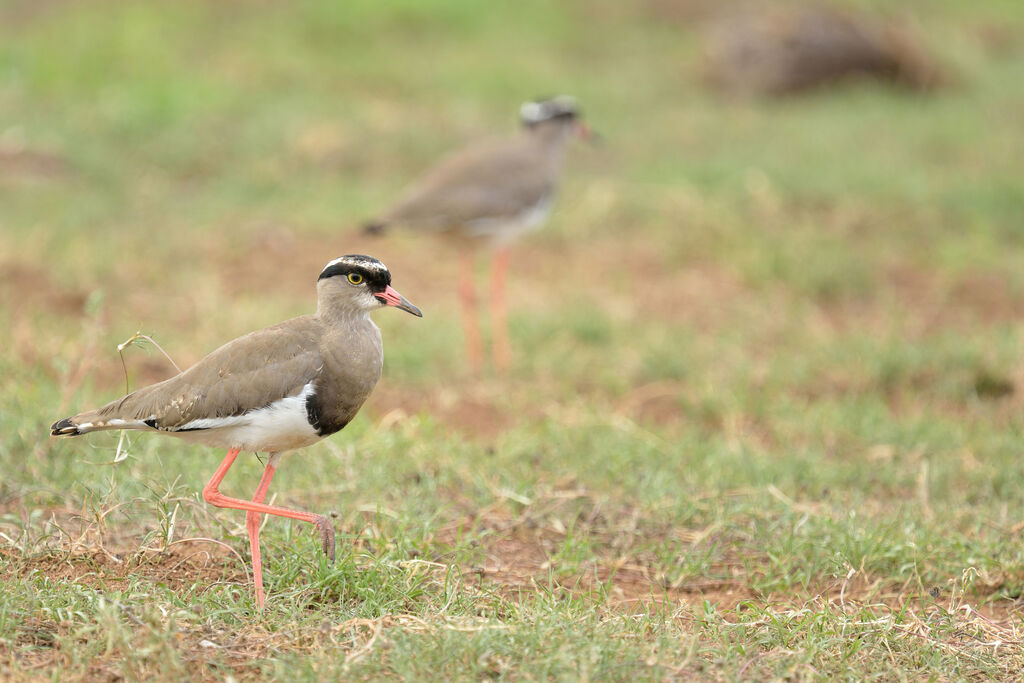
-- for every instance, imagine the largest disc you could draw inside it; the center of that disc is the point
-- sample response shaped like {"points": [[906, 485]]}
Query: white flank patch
{"points": [[535, 216], [505, 230], [281, 426]]}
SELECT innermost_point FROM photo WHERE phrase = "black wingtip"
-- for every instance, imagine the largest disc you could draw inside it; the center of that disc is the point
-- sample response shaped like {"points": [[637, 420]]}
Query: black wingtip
{"points": [[374, 227], [64, 427]]}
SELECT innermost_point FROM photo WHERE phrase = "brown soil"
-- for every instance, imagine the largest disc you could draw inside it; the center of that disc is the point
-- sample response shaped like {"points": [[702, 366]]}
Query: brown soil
{"points": [[183, 565], [26, 289], [19, 163]]}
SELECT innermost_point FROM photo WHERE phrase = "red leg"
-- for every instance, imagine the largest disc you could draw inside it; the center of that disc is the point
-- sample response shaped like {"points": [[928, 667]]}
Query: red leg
{"points": [[499, 314], [213, 496], [467, 297], [252, 524]]}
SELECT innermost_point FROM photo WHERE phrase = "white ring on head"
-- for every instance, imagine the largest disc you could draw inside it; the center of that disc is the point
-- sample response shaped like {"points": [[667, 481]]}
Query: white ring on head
{"points": [[531, 112], [332, 263]]}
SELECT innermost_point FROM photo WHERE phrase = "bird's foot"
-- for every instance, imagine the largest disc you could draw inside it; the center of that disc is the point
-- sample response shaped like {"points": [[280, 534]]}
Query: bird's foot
{"points": [[326, 536]]}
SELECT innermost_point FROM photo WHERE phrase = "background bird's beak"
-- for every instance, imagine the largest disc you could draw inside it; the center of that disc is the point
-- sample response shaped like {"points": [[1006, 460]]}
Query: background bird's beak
{"points": [[389, 297], [585, 132]]}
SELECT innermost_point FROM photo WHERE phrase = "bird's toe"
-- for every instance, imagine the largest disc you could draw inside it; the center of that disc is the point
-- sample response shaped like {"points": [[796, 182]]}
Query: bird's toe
{"points": [[326, 536]]}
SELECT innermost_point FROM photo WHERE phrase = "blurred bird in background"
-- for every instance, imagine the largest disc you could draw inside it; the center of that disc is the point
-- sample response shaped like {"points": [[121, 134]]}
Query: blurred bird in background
{"points": [[773, 50], [487, 195]]}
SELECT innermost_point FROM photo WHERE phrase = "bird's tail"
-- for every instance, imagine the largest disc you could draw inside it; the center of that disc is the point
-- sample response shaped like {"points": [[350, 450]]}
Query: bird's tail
{"points": [[374, 227], [92, 421]]}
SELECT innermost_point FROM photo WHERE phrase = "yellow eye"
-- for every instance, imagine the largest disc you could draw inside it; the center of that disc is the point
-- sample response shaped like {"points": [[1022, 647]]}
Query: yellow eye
{"points": [[355, 278]]}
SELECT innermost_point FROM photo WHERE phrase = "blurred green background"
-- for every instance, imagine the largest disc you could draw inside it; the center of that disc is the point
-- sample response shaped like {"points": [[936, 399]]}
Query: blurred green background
{"points": [[759, 345]]}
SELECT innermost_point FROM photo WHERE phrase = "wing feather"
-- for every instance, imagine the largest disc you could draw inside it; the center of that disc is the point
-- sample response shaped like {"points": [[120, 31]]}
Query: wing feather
{"points": [[246, 374], [492, 182]]}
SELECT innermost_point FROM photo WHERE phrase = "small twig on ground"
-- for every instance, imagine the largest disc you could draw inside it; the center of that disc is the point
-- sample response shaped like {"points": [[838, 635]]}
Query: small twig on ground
{"points": [[135, 340], [842, 589], [200, 539], [367, 647]]}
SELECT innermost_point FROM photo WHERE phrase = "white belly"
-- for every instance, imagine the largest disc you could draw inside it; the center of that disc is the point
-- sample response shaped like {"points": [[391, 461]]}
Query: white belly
{"points": [[505, 230], [281, 426]]}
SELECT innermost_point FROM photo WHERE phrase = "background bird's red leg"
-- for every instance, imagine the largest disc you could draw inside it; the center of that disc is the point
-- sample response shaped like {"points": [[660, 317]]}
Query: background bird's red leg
{"points": [[467, 297], [213, 496], [252, 524], [499, 315]]}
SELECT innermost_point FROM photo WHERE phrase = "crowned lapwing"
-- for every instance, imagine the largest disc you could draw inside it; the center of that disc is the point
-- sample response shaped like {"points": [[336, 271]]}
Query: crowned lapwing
{"points": [[491, 193], [280, 388]]}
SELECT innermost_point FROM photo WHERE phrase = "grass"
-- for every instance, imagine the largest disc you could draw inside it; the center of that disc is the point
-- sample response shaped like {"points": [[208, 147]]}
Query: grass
{"points": [[764, 417]]}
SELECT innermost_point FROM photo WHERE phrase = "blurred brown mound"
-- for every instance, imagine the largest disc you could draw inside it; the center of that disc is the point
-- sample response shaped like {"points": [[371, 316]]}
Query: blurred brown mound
{"points": [[777, 50]]}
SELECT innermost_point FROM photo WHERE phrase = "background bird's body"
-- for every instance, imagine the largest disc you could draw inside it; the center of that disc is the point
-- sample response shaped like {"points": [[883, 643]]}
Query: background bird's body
{"points": [[494, 190], [491, 193]]}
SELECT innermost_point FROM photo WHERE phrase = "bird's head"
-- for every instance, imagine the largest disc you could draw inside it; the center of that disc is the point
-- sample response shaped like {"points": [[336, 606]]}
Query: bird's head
{"points": [[357, 283], [561, 114]]}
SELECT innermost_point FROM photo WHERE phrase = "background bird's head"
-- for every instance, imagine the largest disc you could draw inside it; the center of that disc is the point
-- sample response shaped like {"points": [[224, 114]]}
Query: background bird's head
{"points": [[561, 113]]}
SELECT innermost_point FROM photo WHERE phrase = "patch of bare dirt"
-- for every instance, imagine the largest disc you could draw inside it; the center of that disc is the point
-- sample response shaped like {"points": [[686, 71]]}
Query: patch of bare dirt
{"points": [[519, 564], [525, 546], [29, 288], [523, 561], [526, 551], [92, 549], [919, 303], [179, 566], [973, 298], [475, 410], [18, 163]]}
